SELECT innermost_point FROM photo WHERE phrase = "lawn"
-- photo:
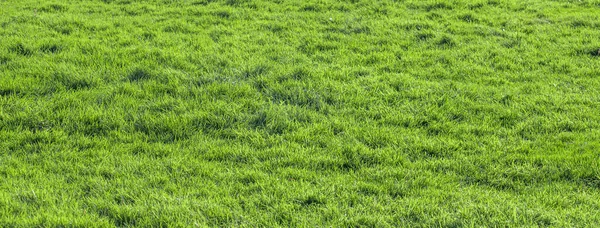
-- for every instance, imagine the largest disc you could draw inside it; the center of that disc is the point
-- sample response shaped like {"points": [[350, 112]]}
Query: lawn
{"points": [[299, 113]]}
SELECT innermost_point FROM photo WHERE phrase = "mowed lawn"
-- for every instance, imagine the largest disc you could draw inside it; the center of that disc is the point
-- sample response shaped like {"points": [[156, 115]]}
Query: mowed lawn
{"points": [[299, 113]]}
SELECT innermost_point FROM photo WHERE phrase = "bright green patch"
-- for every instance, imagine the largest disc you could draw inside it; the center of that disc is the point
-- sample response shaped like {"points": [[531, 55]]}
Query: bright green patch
{"points": [[299, 113]]}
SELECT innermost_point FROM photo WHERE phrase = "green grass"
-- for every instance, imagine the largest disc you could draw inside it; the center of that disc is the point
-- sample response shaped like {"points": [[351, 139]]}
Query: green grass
{"points": [[299, 113]]}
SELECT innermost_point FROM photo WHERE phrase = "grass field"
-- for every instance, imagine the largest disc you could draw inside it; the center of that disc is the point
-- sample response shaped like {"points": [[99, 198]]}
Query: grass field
{"points": [[310, 113]]}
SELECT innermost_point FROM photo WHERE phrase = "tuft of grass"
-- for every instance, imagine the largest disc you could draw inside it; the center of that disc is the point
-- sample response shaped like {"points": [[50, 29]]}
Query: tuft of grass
{"points": [[51, 48], [21, 49], [139, 74]]}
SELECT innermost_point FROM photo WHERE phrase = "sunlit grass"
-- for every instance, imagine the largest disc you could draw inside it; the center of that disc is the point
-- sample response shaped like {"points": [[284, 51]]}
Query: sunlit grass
{"points": [[299, 113]]}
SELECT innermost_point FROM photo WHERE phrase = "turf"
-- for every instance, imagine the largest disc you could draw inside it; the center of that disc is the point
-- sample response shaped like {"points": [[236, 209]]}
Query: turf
{"points": [[307, 113]]}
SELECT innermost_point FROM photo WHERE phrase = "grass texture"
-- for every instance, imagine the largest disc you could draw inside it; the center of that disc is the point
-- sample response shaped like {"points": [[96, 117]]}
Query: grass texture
{"points": [[303, 113]]}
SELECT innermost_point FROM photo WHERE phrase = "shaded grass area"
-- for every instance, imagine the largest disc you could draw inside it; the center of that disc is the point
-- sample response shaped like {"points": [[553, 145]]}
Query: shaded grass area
{"points": [[299, 113]]}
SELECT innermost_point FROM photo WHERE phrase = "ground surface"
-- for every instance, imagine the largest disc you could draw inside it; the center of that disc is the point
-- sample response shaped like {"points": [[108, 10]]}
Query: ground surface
{"points": [[299, 113]]}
